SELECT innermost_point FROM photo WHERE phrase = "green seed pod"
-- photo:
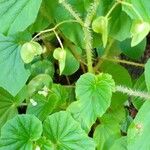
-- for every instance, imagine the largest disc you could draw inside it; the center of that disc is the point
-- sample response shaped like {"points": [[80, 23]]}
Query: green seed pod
{"points": [[60, 55], [100, 24], [139, 31]]}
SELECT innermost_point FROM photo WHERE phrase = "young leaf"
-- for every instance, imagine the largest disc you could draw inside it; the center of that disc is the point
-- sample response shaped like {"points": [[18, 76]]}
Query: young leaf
{"points": [[17, 15], [13, 73], [96, 88], [20, 133], [66, 133], [94, 95], [138, 137]]}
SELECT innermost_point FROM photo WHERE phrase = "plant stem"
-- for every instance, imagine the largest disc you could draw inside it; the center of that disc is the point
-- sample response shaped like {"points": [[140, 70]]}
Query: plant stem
{"points": [[124, 62], [88, 48], [59, 40], [54, 28], [105, 55], [87, 33], [111, 10], [131, 92], [68, 7]]}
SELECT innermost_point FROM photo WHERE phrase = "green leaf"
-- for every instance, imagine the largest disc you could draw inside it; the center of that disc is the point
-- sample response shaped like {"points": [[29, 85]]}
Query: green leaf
{"points": [[141, 6], [94, 95], [16, 16], [14, 76], [39, 82], [147, 74], [44, 144], [138, 137], [106, 133], [119, 24], [133, 52], [42, 67], [120, 144], [139, 85], [121, 77], [66, 133], [44, 105], [8, 106], [71, 64], [20, 133]]}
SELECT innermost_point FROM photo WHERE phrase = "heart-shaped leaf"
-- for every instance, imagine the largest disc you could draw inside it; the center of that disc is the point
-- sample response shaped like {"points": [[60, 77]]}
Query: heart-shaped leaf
{"points": [[94, 93]]}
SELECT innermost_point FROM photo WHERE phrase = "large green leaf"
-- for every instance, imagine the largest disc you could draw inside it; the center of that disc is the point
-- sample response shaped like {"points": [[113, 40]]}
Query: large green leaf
{"points": [[147, 74], [65, 133], [138, 137], [20, 133], [106, 133], [13, 74], [17, 15], [94, 95]]}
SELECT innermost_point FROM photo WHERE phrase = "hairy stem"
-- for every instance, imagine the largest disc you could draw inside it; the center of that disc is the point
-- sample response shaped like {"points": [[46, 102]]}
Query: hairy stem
{"points": [[68, 7], [124, 62], [131, 92], [87, 33]]}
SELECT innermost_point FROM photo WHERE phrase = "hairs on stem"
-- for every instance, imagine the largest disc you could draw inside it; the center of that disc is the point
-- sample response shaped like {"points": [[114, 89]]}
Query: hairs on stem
{"points": [[87, 33], [131, 92], [70, 9]]}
